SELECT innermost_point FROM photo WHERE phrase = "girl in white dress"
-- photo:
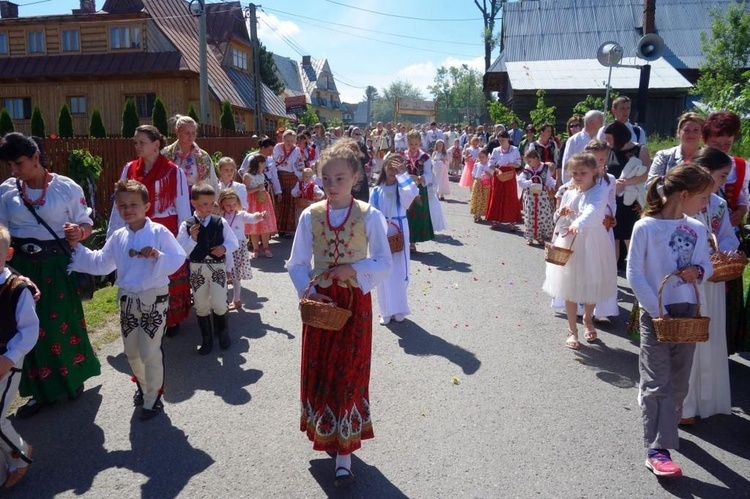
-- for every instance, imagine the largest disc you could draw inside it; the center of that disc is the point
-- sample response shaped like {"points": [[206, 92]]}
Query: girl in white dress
{"points": [[440, 160], [709, 391], [393, 194], [227, 173], [586, 277], [238, 263]]}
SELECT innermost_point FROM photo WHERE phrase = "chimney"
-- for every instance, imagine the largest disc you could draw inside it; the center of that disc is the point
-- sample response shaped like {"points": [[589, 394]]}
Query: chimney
{"points": [[87, 7], [649, 16], [8, 10], [305, 60]]}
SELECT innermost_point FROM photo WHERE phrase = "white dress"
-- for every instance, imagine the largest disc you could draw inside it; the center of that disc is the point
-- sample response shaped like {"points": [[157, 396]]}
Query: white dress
{"points": [[436, 211], [238, 262], [587, 277], [393, 202], [440, 173], [709, 391]]}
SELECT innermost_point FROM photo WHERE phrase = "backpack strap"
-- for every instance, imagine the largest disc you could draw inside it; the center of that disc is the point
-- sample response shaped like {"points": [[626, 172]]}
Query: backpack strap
{"points": [[638, 132]]}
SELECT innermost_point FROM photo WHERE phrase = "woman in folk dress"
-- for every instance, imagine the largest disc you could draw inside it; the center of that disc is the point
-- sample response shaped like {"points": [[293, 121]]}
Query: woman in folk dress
{"points": [[289, 163]]}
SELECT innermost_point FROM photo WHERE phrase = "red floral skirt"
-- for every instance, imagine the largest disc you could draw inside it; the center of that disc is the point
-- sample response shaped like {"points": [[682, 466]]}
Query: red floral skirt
{"points": [[504, 206], [335, 377]]}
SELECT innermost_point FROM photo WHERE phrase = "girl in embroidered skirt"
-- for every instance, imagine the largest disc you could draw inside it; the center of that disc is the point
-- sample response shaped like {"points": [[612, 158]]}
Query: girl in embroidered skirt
{"points": [[238, 266], [504, 207], [289, 161], [419, 167], [393, 194], [470, 155], [306, 192], [440, 170], [709, 391], [343, 241], [537, 184], [259, 200], [665, 241], [480, 189], [586, 277]]}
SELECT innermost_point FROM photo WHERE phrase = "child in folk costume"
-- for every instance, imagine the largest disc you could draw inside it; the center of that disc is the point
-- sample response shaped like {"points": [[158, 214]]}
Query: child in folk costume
{"points": [[470, 155], [259, 200], [667, 240], [238, 263], [393, 194], [454, 156], [709, 389], [343, 241], [19, 331], [227, 173], [440, 170], [306, 192], [207, 239], [504, 207], [537, 184], [586, 277], [425, 214], [144, 253], [480, 189], [289, 162], [307, 151]]}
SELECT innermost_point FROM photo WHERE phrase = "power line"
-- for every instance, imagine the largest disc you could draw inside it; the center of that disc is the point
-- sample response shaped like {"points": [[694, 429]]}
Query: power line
{"points": [[291, 44], [387, 14], [374, 31]]}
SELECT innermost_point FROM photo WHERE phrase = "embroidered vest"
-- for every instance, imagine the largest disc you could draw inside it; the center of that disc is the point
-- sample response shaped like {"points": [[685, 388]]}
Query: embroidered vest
{"points": [[337, 246], [307, 191], [10, 292], [209, 236]]}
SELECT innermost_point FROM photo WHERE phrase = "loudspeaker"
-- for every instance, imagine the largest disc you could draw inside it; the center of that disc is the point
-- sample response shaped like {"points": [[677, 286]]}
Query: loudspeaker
{"points": [[650, 47], [609, 54]]}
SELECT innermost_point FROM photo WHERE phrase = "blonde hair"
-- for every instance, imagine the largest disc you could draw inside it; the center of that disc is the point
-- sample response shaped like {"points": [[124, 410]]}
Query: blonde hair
{"points": [[4, 241], [342, 151], [180, 121], [308, 171], [689, 117], [414, 134], [585, 159], [226, 160], [287, 133], [229, 194]]}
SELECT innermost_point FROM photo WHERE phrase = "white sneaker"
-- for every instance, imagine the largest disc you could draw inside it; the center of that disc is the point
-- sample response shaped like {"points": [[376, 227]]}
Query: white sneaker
{"points": [[385, 321], [399, 317]]}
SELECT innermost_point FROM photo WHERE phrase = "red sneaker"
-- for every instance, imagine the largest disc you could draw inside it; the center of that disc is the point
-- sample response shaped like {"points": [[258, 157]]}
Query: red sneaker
{"points": [[661, 464]]}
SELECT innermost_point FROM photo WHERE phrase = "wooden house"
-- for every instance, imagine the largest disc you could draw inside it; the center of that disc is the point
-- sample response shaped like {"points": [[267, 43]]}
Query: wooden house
{"points": [[312, 80], [141, 49]]}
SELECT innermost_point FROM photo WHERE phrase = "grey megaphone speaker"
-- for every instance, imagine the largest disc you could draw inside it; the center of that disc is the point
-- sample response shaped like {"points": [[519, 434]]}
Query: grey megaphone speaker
{"points": [[650, 47], [609, 53]]}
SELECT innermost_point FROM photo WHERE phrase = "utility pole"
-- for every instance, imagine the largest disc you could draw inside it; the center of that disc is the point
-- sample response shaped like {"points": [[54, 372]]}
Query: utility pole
{"points": [[256, 70], [197, 8]]}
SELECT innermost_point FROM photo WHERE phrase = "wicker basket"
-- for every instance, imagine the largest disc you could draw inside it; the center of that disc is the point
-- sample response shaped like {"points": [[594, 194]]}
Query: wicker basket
{"points": [[321, 315], [396, 241], [302, 202], [680, 329], [505, 176], [609, 220], [557, 255], [728, 265]]}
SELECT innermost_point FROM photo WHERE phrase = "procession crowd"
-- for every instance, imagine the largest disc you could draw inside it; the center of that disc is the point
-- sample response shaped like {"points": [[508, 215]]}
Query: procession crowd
{"points": [[357, 202]]}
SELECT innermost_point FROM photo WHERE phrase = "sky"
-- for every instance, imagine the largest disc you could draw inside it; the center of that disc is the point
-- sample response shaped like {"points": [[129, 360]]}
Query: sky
{"points": [[366, 43]]}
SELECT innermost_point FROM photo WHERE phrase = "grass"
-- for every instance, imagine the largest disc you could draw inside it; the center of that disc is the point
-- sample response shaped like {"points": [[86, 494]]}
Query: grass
{"points": [[657, 143], [102, 318]]}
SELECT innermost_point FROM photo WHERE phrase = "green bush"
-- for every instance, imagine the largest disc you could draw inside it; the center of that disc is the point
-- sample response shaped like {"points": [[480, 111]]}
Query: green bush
{"points": [[130, 120], [159, 117], [227, 117], [657, 143], [85, 169], [65, 122], [37, 123], [6, 122], [193, 113], [96, 127], [500, 113]]}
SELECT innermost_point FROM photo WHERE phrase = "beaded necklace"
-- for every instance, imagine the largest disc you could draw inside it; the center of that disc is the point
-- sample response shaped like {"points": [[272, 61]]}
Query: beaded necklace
{"points": [[39, 201]]}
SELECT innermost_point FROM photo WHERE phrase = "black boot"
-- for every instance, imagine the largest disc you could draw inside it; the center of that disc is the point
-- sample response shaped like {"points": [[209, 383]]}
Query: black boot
{"points": [[206, 326], [221, 330]]}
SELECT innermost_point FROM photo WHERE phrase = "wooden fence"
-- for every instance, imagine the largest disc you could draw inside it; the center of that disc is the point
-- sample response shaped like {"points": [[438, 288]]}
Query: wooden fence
{"points": [[116, 152]]}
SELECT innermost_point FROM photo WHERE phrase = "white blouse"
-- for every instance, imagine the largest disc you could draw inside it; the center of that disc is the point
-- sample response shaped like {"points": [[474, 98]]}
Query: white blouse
{"points": [[237, 221], [239, 188]]}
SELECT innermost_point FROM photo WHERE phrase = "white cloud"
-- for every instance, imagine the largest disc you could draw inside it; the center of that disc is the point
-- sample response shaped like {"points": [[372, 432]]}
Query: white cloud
{"points": [[280, 28]]}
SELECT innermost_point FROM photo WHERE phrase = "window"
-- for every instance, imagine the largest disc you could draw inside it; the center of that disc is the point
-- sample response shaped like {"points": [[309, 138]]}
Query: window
{"points": [[239, 59], [18, 108], [35, 41], [77, 104], [144, 103], [3, 43], [122, 37], [270, 127], [70, 41]]}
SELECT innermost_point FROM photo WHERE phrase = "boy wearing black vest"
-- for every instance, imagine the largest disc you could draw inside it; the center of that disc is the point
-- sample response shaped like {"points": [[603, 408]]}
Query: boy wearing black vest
{"points": [[208, 239], [19, 331]]}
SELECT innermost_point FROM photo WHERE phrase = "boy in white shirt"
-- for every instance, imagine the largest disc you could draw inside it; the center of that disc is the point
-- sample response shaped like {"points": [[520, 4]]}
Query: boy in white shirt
{"points": [[19, 331], [145, 254]]}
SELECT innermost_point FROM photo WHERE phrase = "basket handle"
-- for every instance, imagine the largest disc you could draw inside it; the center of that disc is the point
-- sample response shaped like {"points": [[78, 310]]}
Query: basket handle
{"points": [[320, 277], [714, 242], [575, 234], [661, 288], [391, 222]]}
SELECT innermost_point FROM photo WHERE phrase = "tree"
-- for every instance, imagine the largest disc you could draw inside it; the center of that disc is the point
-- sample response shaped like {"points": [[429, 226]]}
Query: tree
{"points": [[597, 103], [489, 14], [309, 117], [227, 117], [37, 123], [727, 53], [500, 113], [65, 122], [130, 120], [382, 109], [193, 113], [268, 71], [458, 92], [159, 117], [96, 126], [6, 122], [543, 113], [371, 93], [333, 123]]}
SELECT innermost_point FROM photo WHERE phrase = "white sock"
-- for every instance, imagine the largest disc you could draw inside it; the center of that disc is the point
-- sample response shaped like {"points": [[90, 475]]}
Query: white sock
{"points": [[236, 289], [344, 461]]}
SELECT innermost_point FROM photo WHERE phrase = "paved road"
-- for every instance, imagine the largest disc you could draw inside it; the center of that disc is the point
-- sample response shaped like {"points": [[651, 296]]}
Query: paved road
{"points": [[525, 417]]}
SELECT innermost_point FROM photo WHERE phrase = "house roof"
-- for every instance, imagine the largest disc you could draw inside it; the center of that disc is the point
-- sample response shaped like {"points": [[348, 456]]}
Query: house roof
{"points": [[87, 65], [311, 74], [546, 30], [122, 6], [287, 71], [588, 74]]}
